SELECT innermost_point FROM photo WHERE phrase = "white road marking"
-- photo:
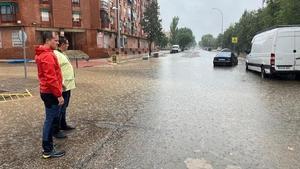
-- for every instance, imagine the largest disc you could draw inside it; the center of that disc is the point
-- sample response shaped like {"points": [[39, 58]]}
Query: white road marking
{"points": [[203, 164], [197, 164], [232, 167]]}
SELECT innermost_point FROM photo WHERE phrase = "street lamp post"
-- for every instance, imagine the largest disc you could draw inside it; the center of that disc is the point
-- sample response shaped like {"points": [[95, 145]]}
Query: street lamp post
{"points": [[222, 31], [220, 11], [118, 26]]}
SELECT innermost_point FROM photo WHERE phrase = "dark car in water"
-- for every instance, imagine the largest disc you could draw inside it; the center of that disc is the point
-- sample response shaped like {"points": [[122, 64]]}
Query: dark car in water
{"points": [[225, 58]]}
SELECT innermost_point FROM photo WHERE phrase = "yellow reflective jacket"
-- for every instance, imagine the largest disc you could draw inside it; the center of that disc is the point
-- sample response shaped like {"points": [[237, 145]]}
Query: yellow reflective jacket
{"points": [[66, 70]]}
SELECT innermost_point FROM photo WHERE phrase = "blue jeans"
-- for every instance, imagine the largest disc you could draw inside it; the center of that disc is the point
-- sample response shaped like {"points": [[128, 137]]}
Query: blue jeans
{"points": [[60, 121], [52, 112], [63, 110]]}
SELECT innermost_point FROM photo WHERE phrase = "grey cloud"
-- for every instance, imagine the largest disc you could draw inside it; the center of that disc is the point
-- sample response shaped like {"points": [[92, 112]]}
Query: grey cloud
{"points": [[199, 16]]}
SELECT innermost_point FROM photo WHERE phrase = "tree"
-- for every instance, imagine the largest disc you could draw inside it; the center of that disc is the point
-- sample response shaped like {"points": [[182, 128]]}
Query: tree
{"points": [[151, 24], [185, 37], [174, 30], [208, 41], [289, 12], [245, 31], [163, 41], [219, 41], [277, 12]]}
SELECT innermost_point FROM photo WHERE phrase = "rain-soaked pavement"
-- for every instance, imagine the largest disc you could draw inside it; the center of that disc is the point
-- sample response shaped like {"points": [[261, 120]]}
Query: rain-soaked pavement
{"points": [[172, 112]]}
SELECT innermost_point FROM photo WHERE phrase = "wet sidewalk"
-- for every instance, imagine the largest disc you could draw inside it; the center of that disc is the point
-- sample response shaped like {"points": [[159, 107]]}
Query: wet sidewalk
{"points": [[100, 96]]}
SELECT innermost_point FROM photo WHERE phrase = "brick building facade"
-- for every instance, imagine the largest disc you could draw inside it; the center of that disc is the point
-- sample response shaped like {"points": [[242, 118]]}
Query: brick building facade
{"points": [[90, 25]]}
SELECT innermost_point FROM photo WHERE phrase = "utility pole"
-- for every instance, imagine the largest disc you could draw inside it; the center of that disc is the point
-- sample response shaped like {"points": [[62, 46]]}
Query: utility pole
{"points": [[118, 26], [117, 8]]}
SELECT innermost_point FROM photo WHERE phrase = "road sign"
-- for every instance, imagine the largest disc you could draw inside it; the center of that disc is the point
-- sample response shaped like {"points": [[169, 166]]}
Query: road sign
{"points": [[21, 35], [234, 40]]}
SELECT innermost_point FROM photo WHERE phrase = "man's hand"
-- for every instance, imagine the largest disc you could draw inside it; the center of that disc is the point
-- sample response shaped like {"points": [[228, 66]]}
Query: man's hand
{"points": [[60, 101]]}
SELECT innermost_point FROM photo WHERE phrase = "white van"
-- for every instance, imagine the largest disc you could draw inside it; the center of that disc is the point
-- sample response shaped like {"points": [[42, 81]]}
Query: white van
{"points": [[275, 51], [175, 49]]}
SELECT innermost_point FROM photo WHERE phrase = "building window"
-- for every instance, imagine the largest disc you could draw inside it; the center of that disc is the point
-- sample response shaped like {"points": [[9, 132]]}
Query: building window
{"points": [[45, 15], [8, 12], [76, 2], [105, 21], [104, 16], [44, 1], [76, 19], [16, 42]]}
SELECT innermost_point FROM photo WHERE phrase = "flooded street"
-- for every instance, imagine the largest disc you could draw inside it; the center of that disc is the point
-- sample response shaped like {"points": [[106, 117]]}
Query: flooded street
{"points": [[198, 116]]}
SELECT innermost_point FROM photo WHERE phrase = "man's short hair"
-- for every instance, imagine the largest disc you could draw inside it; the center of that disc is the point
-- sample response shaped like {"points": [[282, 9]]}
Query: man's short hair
{"points": [[48, 35], [62, 40]]}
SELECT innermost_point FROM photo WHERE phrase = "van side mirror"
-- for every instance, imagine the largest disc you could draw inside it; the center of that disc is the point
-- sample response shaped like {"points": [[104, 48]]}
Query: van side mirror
{"points": [[247, 51]]}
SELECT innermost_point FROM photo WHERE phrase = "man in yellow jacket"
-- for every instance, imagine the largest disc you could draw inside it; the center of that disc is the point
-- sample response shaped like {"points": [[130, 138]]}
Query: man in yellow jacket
{"points": [[68, 84]]}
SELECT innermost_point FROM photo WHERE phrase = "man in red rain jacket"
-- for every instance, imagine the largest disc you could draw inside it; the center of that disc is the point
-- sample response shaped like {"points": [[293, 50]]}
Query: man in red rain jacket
{"points": [[50, 79]]}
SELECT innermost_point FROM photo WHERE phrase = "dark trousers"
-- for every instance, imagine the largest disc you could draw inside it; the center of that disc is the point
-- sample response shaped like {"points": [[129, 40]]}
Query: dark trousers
{"points": [[60, 121], [52, 112]]}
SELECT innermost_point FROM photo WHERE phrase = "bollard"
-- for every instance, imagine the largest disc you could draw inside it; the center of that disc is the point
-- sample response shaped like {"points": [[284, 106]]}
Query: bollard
{"points": [[114, 58], [76, 59]]}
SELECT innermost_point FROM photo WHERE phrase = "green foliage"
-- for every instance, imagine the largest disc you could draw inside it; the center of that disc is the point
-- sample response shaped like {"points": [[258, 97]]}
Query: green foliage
{"points": [[289, 12], [208, 41], [163, 41], [277, 12], [151, 24], [185, 37], [174, 30]]}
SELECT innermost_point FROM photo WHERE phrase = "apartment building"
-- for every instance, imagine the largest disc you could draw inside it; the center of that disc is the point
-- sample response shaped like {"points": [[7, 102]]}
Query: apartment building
{"points": [[90, 25]]}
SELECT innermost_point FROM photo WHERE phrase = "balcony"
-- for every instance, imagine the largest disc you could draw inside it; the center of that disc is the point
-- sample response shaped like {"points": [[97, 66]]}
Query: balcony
{"points": [[8, 18], [75, 3], [105, 25], [104, 5], [44, 1], [8, 12], [105, 20], [76, 23]]}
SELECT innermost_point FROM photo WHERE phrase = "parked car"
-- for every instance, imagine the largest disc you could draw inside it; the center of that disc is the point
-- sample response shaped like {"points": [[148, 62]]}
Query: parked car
{"points": [[175, 49], [225, 58], [275, 51]]}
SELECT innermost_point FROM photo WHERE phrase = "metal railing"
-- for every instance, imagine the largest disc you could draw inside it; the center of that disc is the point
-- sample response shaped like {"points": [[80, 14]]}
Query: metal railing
{"points": [[8, 18], [44, 1], [77, 23]]}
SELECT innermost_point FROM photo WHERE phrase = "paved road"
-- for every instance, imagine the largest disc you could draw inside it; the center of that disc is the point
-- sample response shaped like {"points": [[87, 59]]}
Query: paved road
{"points": [[172, 112], [199, 117]]}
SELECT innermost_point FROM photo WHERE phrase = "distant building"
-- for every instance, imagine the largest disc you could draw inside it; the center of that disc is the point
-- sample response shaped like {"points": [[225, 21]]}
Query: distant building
{"points": [[90, 25]]}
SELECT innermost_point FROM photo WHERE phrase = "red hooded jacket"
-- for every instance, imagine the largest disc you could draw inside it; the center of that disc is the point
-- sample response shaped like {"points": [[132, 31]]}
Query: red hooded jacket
{"points": [[49, 72]]}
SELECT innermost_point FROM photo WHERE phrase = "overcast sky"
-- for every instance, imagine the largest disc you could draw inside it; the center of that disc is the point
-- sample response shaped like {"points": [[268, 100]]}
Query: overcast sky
{"points": [[199, 16]]}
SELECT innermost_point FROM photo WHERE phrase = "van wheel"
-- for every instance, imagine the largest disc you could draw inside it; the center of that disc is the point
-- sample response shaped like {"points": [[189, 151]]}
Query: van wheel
{"points": [[263, 73]]}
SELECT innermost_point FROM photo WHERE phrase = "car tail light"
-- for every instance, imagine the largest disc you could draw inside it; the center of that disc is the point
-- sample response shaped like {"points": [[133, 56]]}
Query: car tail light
{"points": [[272, 60]]}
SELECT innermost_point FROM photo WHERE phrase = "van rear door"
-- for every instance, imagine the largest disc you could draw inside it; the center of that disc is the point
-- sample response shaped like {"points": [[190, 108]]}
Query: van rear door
{"points": [[297, 50], [284, 55]]}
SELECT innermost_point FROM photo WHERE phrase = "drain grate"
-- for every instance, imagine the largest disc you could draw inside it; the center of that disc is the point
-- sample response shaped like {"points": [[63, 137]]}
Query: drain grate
{"points": [[4, 97]]}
